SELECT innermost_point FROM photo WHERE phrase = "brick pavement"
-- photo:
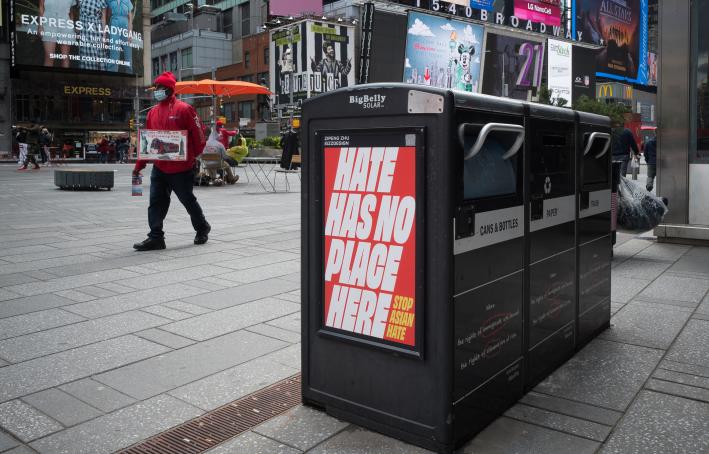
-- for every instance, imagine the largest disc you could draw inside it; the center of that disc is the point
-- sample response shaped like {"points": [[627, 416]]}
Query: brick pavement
{"points": [[101, 346]]}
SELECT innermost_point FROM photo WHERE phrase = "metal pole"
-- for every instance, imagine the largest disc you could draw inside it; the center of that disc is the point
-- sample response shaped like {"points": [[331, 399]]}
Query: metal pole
{"points": [[290, 84], [214, 100]]}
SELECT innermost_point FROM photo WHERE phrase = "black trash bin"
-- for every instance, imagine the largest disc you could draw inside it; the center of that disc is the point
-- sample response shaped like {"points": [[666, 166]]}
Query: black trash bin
{"points": [[551, 253], [415, 256], [594, 245]]}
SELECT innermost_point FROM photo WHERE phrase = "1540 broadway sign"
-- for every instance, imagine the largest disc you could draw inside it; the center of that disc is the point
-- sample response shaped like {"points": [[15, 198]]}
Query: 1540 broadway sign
{"points": [[537, 16]]}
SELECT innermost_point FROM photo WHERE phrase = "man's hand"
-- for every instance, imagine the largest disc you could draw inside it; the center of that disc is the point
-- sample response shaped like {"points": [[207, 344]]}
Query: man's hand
{"points": [[136, 172]]}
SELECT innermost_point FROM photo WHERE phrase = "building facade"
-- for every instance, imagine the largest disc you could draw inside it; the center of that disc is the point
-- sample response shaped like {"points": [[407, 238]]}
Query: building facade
{"points": [[683, 119]]}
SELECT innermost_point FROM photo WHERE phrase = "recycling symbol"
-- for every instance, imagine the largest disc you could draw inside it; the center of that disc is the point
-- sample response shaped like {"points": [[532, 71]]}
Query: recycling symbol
{"points": [[547, 185]]}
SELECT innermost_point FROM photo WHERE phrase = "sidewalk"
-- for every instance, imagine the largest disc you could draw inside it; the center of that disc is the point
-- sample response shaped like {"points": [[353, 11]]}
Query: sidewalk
{"points": [[102, 347]]}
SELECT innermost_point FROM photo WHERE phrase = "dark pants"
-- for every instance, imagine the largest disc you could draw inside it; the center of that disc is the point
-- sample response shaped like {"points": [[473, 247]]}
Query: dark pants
{"points": [[161, 186], [624, 166]]}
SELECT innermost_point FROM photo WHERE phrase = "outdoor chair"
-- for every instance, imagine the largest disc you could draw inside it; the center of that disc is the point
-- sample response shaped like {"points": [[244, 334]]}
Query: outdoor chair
{"points": [[285, 172], [210, 164]]}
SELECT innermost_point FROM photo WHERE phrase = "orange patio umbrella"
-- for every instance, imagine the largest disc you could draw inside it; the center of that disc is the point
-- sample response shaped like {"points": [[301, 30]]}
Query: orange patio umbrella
{"points": [[219, 88]]}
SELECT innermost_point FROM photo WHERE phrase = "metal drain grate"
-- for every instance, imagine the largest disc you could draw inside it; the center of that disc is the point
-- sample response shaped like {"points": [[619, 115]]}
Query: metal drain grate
{"points": [[217, 426]]}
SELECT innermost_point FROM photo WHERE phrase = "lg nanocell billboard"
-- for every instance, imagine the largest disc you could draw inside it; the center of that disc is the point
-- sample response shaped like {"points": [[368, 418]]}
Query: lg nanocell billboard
{"points": [[91, 35], [320, 56], [543, 11], [443, 53], [621, 27]]}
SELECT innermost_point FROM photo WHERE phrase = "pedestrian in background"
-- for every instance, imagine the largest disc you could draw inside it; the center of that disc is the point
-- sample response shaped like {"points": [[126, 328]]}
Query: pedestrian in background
{"points": [[623, 145], [650, 152], [45, 139], [26, 153], [103, 150], [171, 114]]}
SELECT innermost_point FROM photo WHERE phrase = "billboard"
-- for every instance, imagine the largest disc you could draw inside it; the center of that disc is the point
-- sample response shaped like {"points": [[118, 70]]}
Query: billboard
{"points": [[319, 55], [513, 66], [621, 26], [294, 8], [441, 52], [584, 72], [91, 35], [543, 11], [559, 77]]}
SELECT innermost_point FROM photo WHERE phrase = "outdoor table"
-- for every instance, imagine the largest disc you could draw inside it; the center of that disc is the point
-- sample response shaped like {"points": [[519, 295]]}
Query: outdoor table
{"points": [[261, 167]]}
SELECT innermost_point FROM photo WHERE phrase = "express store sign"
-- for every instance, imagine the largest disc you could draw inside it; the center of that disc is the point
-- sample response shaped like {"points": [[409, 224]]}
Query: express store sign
{"points": [[537, 16]]}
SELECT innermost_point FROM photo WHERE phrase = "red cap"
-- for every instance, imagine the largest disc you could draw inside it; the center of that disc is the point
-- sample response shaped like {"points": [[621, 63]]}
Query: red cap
{"points": [[166, 79]]}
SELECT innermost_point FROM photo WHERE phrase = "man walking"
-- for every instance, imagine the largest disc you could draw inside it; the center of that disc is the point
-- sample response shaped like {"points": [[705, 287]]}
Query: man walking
{"points": [[171, 114], [650, 152], [623, 144]]}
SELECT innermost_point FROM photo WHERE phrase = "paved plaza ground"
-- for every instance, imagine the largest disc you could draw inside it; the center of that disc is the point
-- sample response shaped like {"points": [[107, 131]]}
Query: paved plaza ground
{"points": [[102, 347]]}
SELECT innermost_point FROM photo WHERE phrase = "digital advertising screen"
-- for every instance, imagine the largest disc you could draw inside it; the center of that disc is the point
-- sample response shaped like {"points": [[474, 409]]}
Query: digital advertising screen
{"points": [[90, 35], [444, 53], [544, 11], [559, 74], [513, 67], [621, 27], [584, 72]]}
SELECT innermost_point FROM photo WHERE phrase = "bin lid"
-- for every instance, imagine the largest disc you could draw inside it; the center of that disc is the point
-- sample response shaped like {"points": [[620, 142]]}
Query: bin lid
{"points": [[544, 111], [594, 119]]}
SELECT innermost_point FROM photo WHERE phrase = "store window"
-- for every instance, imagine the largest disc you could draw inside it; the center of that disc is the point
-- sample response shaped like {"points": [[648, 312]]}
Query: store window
{"points": [[227, 21], [229, 111], [163, 63], [700, 56], [22, 107], [247, 78], [265, 55], [263, 79], [186, 56], [246, 109], [247, 59], [156, 67], [173, 62]]}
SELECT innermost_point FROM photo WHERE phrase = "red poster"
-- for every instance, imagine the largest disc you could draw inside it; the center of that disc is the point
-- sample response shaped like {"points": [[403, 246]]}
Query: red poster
{"points": [[370, 238]]}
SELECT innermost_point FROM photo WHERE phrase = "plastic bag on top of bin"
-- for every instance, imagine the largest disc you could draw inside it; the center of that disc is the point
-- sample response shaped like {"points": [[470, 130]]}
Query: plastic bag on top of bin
{"points": [[638, 210]]}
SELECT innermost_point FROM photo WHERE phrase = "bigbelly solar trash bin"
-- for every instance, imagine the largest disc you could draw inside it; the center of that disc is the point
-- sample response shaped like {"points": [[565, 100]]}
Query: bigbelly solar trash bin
{"points": [[414, 258], [594, 242]]}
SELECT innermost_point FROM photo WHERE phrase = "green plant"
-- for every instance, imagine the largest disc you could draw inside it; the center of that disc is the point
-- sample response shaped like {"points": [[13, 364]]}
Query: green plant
{"points": [[613, 110], [272, 141], [545, 98]]}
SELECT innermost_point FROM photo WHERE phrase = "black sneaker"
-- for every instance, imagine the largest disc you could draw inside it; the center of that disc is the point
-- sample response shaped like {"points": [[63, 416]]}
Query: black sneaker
{"points": [[202, 236], [150, 244]]}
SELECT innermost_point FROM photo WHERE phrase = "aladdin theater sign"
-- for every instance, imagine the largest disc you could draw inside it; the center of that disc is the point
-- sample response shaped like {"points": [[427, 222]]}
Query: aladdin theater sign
{"points": [[537, 16]]}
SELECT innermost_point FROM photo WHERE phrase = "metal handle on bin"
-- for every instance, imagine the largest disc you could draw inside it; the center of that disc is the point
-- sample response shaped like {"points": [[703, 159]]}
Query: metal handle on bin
{"points": [[487, 129], [594, 136]]}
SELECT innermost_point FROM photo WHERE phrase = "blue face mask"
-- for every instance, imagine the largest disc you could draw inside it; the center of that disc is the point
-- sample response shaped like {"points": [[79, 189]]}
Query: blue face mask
{"points": [[159, 95]]}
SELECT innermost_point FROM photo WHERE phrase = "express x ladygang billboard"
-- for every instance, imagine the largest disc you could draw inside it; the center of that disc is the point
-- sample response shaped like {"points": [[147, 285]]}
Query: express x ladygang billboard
{"points": [[92, 35]]}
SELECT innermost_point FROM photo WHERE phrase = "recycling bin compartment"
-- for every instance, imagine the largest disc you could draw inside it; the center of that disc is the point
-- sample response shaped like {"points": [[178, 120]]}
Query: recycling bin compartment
{"points": [[551, 253], [438, 256], [594, 235]]}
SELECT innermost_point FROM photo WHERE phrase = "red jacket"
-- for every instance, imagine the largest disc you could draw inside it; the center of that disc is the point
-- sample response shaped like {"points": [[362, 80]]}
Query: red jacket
{"points": [[175, 115], [225, 136]]}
